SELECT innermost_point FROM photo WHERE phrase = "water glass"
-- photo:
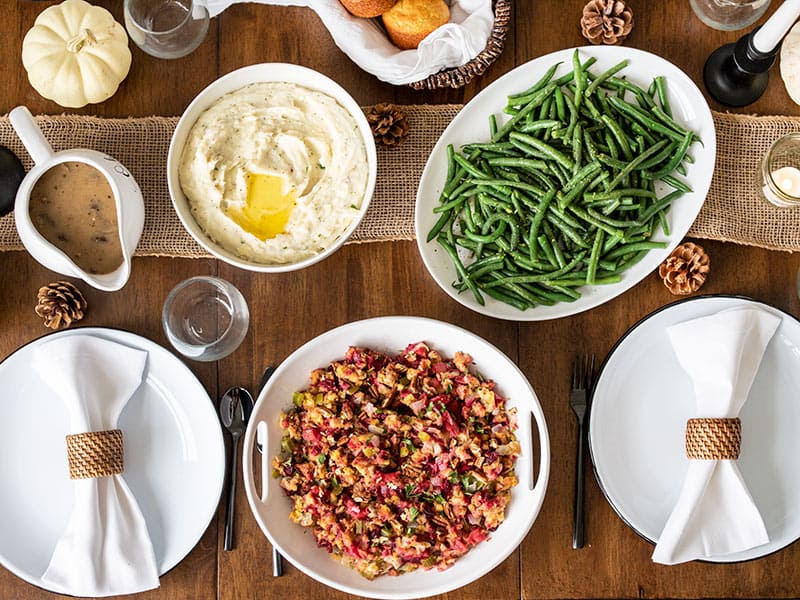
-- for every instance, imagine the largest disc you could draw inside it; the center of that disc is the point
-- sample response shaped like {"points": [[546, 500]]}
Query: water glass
{"points": [[729, 15], [205, 318], [166, 28]]}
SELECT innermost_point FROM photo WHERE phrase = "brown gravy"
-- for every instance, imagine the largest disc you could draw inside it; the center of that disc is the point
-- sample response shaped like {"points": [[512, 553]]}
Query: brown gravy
{"points": [[72, 205]]}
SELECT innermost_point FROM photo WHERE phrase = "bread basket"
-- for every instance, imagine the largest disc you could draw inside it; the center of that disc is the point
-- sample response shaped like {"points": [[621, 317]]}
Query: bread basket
{"points": [[460, 76]]}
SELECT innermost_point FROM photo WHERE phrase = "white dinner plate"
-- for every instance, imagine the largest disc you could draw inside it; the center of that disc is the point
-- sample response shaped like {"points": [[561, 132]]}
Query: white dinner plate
{"points": [[174, 457], [391, 335], [639, 409], [471, 125]]}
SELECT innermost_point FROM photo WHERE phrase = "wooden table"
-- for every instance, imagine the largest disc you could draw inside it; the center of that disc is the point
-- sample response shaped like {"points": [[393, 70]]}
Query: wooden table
{"points": [[361, 281]]}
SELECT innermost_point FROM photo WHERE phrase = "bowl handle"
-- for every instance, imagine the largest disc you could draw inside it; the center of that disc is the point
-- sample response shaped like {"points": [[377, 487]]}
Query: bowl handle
{"points": [[258, 441], [539, 484]]}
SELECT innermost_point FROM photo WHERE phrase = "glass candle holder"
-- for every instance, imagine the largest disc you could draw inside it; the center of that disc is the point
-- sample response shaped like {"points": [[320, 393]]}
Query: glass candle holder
{"points": [[205, 318], [780, 172], [729, 15]]}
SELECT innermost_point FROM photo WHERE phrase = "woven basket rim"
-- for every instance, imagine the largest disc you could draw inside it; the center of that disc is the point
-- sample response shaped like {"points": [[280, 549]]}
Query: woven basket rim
{"points": [[456, 77]]}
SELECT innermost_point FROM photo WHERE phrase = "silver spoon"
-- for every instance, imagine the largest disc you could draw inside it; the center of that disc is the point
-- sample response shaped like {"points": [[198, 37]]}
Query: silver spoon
{"points": [[234, 410]]}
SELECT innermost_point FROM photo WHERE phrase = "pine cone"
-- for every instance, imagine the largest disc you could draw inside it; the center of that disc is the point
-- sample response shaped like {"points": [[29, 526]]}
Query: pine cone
{"points": [[59, 304], [606, 21], [389, 125], [686, 269]]}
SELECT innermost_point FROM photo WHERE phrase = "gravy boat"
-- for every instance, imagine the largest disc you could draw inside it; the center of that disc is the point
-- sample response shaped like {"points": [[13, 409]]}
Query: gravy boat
{"points": [[127, 198]]}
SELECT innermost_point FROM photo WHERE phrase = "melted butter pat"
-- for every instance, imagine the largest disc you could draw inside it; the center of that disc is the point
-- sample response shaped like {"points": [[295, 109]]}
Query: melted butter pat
{"points": [[267, 208]]}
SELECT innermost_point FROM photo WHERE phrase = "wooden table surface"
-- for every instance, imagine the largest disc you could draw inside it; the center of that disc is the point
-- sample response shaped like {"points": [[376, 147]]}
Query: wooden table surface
{"points": [[368, 280]]}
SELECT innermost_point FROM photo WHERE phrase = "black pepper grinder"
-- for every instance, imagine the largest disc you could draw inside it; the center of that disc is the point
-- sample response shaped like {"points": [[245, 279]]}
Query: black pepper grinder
{"points": [[737, 74]]}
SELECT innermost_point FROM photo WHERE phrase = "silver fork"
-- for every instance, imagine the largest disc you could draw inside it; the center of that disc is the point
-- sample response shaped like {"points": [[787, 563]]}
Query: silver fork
{"points": [[582, 374]]}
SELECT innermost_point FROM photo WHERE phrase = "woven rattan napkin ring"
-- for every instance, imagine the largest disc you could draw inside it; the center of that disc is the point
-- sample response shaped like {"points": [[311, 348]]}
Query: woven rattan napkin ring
{"points": [[713, 439], [95, 454]]}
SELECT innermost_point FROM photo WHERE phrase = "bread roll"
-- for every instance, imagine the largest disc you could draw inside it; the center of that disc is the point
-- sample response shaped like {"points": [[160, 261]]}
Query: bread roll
{"points": [[408, 22], [367, 8]]}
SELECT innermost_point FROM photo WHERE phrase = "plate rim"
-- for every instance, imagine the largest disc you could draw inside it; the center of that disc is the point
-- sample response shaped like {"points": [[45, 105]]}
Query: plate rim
{"points": [[568, 309], [538, 491], [119, 334], [705, 297]]}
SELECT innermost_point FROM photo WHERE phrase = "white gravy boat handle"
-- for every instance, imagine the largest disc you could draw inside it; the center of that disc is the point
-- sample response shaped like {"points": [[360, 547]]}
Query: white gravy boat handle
{"points": [[28, 131]]}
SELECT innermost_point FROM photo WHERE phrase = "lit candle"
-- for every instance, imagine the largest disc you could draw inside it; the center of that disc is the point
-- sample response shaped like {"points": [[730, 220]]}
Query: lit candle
{"points": [[787, 180]]}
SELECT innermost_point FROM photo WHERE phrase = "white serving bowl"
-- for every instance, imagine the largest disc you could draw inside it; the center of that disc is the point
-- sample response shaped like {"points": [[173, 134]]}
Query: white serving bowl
{"points": [[471, 125], [271, 507], [260, 73]]}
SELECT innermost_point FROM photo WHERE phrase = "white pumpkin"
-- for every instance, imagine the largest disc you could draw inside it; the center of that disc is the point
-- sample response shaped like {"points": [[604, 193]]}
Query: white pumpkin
{"points": [[790, 63], [76, 54]]}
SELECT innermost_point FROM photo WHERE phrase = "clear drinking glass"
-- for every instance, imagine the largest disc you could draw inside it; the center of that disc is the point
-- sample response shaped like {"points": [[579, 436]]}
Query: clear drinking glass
{"points": [[205, 318], [729, 15], [166, 28]]}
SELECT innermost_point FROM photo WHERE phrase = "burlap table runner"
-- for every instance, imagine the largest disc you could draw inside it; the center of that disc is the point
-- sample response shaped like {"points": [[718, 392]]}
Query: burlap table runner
{"points": [[733, 210]]}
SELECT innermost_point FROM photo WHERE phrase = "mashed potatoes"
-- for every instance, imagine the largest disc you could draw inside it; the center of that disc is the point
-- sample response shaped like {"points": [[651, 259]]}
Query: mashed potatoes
{"points": [[274, 172]]}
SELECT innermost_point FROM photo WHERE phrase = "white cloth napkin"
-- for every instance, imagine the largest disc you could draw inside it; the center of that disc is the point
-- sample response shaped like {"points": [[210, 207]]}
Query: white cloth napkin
{"points": [[367, 45], [715, 514], [105, 549]]}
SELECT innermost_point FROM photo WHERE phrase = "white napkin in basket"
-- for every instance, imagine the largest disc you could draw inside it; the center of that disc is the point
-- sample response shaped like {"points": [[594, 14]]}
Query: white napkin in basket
{"points": [[452, 45], [105, 549], [715, 514]]}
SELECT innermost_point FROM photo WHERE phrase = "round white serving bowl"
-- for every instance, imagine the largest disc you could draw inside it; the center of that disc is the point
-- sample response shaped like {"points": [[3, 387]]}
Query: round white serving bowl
{"points": [[271, 507], [261, 73]]}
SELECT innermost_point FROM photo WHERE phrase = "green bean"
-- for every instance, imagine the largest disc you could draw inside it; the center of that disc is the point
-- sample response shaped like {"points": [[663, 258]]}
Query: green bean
{"points": [[613, 222], [544, 244], [537, 99], [561, 109], [469, 168], [676, 183], [578, 182], [537, 222], [635, 247], [644, 119], [443, 220], [507, 183], [450, 205], [495, 260], [660, 205], [537, 125], [594, 257], [600, 79], [619, 135], [564, 79], [661, 91], [666, 151], [538, 85], [524, 163], [618, 193], [541, 277], [635, 163], [462, 272], [662, 219], [579, 77], [567, 230], [577, 148], [507, 298], [674, 161], [544, 148]]}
